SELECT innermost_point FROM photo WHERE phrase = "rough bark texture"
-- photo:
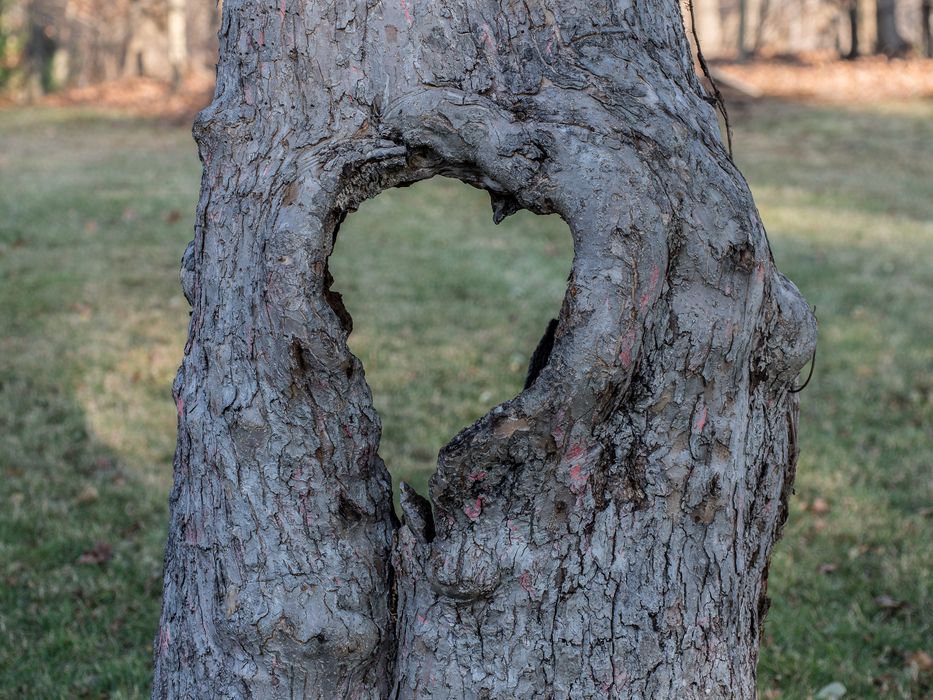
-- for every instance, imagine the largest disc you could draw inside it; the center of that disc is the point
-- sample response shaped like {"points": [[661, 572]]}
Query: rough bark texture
{"points": [[607, 532]]}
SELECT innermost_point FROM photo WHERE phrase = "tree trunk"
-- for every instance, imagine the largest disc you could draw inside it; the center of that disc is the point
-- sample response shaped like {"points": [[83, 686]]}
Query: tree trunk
{"points": [[926, 30], [890, 41], [852, 11], [605, 533], [176, 36], [743, 30]]}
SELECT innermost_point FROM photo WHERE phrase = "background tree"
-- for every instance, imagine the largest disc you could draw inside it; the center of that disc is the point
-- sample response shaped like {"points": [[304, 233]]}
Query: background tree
{"points": [[605, 532], [176, 35], [852, 12], [890, 42], [925, 29], [51, 44], [743, 30]]}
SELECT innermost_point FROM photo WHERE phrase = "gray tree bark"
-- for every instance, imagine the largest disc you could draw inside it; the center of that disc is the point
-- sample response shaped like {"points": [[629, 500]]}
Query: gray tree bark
{"points": [[605, 533]]}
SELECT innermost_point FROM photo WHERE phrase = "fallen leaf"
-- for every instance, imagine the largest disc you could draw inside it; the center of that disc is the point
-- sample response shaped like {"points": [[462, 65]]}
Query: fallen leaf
{"points": [[131, 529], [87, 495], [886, 602], [819, 507], [920, 660], [100, 553], [833, 691], [83, 310]]}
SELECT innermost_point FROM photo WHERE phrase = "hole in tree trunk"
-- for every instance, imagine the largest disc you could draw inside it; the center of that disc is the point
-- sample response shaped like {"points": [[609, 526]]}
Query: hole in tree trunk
{"points": [[447, 309]]}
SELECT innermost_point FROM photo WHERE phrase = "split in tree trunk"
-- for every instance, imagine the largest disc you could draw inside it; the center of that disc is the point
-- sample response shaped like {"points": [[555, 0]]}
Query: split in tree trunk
{"points": [[606, 532]]}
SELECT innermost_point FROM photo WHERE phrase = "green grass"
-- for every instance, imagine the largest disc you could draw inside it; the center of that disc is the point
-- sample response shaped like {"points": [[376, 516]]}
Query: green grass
{"points": [[447, 309], [848, 199]]}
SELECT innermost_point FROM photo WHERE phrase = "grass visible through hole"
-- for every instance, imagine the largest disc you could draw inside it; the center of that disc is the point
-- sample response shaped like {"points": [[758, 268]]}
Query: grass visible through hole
{"points": [[447, 309]]}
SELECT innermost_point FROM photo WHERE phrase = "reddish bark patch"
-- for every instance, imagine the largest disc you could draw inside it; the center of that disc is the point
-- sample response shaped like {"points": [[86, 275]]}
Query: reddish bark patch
{"points": [[473, 510]]}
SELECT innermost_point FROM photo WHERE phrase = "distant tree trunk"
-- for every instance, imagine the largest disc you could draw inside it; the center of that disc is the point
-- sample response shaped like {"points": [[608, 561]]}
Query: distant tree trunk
{"points": [[39, 52], [176, 33], [763, 14], [852, 11], [605, 533], [202, 22], [927, 31], [890, 41], [709, 26], [743, 30]]}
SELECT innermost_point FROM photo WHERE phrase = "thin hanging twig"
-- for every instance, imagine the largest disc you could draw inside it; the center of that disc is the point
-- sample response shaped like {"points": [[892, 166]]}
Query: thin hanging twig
{"points": [[809, 376], [812, 366], [719, 100]]}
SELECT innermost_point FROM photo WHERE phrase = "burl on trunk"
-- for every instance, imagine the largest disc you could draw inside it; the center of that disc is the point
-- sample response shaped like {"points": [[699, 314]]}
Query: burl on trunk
{"points": [[605, 533]]}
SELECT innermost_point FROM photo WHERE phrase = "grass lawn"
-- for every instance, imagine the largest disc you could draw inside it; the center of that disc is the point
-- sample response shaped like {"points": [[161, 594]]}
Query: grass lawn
{"points": [[95, 211]]}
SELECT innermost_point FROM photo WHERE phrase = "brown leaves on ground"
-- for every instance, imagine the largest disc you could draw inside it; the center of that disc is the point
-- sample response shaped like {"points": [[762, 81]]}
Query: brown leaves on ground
{"points": [[886, 602], [819, 506], [819, 77], [82, 311], [824, 77], [145, 97], [88, 494], [919, 660], [99, 554]]}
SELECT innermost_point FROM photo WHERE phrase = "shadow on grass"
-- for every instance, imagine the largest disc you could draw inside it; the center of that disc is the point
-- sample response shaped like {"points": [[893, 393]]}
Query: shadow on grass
{"points": [[81, 537], [847, 197], [875, 159], [93, 330]]}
